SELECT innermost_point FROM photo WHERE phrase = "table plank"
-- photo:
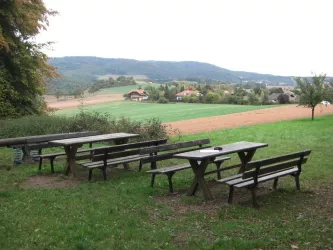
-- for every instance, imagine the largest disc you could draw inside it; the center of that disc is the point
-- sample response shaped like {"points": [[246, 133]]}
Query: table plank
{"points": [[235, 147], [96, 138]]}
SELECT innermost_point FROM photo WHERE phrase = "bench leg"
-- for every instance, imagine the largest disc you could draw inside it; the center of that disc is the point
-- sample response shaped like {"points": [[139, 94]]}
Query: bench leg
{"points": [[90, 174], [104, 173], [275, 183], [152, 181], [140, 166], [40, 163], [231, 193], [51, 162], [153, 165], [254, 197], [170, 174], [218, 166], [297, 181]]}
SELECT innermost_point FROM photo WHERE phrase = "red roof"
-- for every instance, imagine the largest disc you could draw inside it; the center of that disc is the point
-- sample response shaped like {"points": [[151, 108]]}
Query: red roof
{"points": [[139, 91], [187, 92]]}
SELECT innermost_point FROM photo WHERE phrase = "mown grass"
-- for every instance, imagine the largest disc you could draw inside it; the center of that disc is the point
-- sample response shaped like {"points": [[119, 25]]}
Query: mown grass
{"points": [[125, 213], [165, 112]]}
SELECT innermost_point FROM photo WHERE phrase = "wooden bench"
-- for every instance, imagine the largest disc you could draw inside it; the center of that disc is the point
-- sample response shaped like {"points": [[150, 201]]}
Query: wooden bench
{"points": [[167, 153], [111, 156], [52, 156], [266, 170]]}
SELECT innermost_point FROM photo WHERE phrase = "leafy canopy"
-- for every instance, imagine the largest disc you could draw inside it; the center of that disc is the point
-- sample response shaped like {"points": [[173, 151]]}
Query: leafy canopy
{"points": [[23, 67], [312, 91]]}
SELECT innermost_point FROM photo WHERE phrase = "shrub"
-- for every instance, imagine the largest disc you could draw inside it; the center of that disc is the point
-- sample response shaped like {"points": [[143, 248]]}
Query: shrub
{"points": [[84, 121], [163, 100]]}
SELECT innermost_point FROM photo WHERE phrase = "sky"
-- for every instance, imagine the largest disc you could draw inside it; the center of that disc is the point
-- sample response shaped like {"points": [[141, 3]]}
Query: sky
{"points": [[281, 37]]}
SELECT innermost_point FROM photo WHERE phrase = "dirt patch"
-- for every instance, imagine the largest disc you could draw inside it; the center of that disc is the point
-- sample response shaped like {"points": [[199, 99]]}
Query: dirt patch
{"points": [[50, 181], [268, 115], [52, 102]]}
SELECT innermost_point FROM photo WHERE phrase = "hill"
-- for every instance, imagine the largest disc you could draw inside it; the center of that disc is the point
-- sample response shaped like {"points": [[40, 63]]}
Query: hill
{"points": [[84, 70]]}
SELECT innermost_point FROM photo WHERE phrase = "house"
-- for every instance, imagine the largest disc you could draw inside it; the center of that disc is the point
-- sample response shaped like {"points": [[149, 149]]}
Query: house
{"points": [[226, 92], [273, 97], [138, 95], [180, 95], [292, 96]]}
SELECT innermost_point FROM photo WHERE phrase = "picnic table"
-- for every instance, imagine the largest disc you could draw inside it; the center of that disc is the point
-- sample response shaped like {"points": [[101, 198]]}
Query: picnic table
{"points": [[199, 160], [71, 146], [39, 142]]}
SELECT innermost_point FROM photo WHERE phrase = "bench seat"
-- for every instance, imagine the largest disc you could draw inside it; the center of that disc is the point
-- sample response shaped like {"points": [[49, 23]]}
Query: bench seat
{"points": [[52, 156], [170, 171], [110, 156], [265, 170]]}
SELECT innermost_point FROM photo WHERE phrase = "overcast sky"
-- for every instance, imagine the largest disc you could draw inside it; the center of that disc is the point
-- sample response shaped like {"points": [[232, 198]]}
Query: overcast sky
{"points": [[283, 37]]}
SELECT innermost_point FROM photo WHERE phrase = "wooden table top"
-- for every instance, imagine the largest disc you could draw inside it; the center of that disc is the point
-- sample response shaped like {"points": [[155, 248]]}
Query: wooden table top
{"points": [[235, 147], [95, 138]]}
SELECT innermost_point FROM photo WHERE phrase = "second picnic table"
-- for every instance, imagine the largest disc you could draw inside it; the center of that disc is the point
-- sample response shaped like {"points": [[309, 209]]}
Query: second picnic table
{"points": [[199, 160], [71, 146]]}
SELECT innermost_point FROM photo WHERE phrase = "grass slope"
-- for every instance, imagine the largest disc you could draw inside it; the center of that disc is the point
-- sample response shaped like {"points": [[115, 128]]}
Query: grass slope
{"points": [[125, 213], [166, 112]]}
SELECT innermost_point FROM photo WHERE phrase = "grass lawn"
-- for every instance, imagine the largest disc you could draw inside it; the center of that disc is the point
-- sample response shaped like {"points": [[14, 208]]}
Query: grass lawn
{"points": [[166, 112], [125, 213]]}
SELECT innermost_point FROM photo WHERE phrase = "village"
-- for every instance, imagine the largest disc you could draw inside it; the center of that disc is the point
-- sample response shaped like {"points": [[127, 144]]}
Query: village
{"points": [[254, 94]]}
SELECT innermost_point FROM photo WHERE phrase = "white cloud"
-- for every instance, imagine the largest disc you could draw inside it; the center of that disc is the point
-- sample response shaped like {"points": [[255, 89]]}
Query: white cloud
{"points": [[286, 37]]}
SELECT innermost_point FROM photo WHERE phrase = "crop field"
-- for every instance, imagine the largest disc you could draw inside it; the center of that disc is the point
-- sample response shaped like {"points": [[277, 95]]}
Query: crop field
{"points": [[40, 210], [165, 112]]}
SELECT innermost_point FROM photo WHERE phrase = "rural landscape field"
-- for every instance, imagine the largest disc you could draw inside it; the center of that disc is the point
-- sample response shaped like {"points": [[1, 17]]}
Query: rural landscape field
{"points": [[166, 125]]}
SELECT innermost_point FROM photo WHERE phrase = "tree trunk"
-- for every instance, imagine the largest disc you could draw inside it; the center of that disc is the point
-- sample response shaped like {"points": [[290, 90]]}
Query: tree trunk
{"points": [[313, 108]]}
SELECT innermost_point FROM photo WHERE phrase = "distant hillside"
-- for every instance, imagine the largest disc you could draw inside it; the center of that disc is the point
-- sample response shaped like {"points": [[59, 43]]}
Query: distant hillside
{"points": [[87, 69]]}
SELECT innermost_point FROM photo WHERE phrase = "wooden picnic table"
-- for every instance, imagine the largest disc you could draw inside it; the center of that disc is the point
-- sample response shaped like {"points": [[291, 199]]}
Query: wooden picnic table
{"points": [[39, 142], [71, 146], [199, 160]]}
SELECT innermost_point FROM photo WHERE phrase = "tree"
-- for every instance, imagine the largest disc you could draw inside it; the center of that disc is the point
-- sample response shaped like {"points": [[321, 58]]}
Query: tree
{"points": [[312, 92], [58, 93], [275, 90], [283, 98], [23, 67]]}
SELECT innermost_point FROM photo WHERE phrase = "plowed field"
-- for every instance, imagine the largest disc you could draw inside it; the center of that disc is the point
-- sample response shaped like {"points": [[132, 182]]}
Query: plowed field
{"points": [[247, 118]]}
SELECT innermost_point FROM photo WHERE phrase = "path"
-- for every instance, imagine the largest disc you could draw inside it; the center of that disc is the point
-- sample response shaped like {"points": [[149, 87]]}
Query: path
{"points": [[259, 116]]}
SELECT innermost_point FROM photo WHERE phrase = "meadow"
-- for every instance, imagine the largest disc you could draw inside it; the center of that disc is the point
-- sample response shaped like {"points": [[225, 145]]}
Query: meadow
{"points": [[125, 89], [125, 213], [165, 112]]}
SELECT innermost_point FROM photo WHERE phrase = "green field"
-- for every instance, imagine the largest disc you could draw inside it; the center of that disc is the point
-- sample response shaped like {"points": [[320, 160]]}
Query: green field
{"points": [[125, 89], [125, 213], [166, 112]]}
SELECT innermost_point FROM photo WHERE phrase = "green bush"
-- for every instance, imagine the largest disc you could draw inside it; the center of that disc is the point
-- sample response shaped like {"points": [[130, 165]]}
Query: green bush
{"points": [[163, 100], [84, 121]]}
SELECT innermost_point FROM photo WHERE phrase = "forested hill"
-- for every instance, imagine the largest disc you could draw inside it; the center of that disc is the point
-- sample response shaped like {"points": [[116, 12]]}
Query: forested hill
{"points": [[86, 69]]}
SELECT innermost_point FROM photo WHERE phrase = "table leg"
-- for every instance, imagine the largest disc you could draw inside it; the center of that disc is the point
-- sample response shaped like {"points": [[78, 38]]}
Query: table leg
{"points": [[199, 171], [245, 158], [26, 154], [70, 162]]}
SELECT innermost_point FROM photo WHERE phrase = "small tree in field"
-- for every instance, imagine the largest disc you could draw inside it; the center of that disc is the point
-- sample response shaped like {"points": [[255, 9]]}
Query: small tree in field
{"points": [[312, 91]]}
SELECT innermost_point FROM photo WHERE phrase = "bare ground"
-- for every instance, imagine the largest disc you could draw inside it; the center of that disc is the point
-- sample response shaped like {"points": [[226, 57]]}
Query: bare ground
{"points": [[62, 103], [268, 115]]}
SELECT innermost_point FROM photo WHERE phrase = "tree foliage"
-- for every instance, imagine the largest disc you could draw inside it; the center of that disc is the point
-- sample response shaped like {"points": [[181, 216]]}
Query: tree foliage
{"points": [[312, 91], [23, 67]]}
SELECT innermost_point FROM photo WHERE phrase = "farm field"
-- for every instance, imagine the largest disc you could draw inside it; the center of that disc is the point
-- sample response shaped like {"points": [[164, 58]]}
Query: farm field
{"points": [[165, 112], [44, 211], [125, 89]]}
